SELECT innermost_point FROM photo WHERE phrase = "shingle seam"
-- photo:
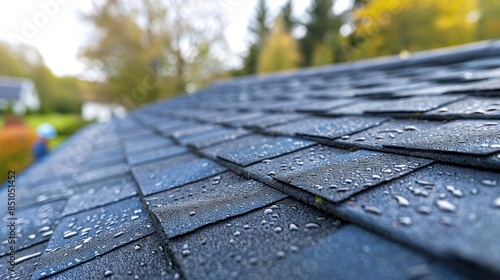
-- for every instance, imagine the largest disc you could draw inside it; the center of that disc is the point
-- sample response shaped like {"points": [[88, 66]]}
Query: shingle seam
{"points": [[156, 224]]}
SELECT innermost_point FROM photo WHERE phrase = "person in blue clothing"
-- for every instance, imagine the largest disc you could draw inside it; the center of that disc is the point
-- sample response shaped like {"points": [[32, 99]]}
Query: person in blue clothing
{"points": [[45, 132]]}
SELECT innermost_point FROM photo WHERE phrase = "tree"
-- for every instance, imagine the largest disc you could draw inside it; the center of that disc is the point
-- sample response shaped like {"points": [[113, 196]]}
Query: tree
{"points": [[286, 14], [153, 48], [56, 94], [388, 27], [322, 32], [258, 31], [488, 25], [280, 51]]}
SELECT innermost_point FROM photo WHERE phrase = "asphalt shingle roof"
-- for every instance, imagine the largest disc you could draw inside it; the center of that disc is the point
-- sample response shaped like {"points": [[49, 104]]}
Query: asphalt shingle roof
{"points": [[379, 169]]}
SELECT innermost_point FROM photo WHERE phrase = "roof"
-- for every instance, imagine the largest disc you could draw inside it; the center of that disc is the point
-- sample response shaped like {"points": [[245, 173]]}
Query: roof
{"points": [[380, 169], [11, 87]]}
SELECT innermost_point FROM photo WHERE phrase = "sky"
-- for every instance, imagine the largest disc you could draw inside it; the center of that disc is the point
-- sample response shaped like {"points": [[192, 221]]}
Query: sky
{"points": [[56, 28]]}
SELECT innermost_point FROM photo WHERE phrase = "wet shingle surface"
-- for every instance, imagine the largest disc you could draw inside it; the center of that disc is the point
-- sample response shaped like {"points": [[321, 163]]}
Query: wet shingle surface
{"points": [[195, 205], [380, 169]]}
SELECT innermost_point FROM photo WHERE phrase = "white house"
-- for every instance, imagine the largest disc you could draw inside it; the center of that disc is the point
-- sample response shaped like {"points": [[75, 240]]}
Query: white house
{"points": [[20, 93], [102, 112]]}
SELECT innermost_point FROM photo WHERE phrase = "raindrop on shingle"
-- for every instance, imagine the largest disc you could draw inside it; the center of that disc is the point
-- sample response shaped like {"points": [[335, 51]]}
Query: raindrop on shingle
{"points": [[237, 233], [45, 228], [410, 128], [294, 248], [78, 246], [424, 183], [192, 213], [281, 254], [274, 207], [344, 137], [348, 181], [496, 202], [474, 191], [253, 261], [70, 234], [312, 225], [488, 182], [402, 201], [268, 211], [271, 173], [375, 176], [405, 221], [360, 139], [186, 252], [446, 205], [373, 210], [424, 210], [32, 236], [246, 227], [137, 247], [293, 227], [118, 234], [278, 229], [108, 273]]}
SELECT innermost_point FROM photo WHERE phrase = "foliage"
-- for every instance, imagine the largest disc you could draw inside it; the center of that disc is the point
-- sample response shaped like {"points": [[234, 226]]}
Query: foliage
{"points": [[388, 27], [16, 141], [258, 31], [151, 49], [280, 50], [322, 33], [57, 94], [488, 26]]}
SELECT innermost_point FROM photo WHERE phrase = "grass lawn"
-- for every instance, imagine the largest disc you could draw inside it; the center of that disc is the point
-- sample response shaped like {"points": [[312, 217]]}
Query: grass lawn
{"points": [[65, 124], [17, 141]]}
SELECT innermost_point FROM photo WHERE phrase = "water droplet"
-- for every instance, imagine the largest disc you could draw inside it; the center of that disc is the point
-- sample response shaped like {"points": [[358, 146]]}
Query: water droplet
{"points": [[78, 246], [410, 128], [268, 211], [281, 254], [135, 217], [496, 202], [474, 191], [237, 233], [446, 205], [45, 228], [137, 247], [186, 252], [402, 201], [293, 227], [246, 227], [118, 234], [271, 173], [360, 139], [424, 210], [312, 225], [70, 234], [108, 273], [373, 210], [425, 183], [192, 213], [344, 137], [405, 221], [488, 182], [278, 229], [375, 176], [32, 236]]}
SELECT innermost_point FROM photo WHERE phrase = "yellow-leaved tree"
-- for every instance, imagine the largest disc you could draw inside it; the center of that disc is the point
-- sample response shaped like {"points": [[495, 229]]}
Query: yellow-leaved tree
{"points": [[280, 51], [387, 27]]}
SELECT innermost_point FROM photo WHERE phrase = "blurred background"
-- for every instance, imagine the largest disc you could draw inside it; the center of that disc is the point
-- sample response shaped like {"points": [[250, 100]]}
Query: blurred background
{"points": [[69, 63]]}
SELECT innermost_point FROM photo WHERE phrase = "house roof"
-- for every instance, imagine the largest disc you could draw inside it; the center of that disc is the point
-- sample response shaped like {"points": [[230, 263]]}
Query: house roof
{"points": [[11, 87], [380, 169]]}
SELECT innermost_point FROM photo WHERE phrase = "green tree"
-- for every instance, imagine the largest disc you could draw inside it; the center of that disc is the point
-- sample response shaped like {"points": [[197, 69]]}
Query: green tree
{"points": [[56, 94], [322, 34], [288, 18], [258, 30], [152, 48], [388, 27], [488, 26], [280, 51]]}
